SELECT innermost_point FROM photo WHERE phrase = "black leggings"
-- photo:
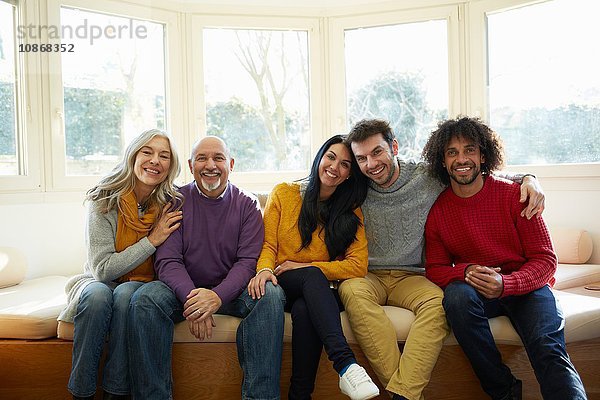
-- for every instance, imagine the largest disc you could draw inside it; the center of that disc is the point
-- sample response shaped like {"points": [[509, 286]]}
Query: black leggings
{"points": [[315, 310]]}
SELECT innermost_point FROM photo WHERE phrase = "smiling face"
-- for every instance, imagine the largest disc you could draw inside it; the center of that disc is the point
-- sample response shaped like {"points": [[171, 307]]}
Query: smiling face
{"points": [[334, 168], [210, 164], [462, 160], [151, 165], [376, 159]]}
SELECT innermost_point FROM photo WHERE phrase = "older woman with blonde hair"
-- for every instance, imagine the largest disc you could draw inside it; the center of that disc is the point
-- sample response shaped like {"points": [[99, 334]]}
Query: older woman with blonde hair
{"points": [[131, 212]]}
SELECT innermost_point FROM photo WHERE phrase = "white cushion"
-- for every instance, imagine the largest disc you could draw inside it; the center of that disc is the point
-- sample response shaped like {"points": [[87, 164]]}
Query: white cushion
{"points": [[572, 246], [29, 310], [581, 310], [13, 266], [573, 275]]}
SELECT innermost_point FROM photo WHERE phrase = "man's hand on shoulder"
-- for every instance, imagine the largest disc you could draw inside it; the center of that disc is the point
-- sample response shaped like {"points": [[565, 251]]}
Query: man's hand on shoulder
{"points": [[486, 280], [532, 190], [201, 304]]}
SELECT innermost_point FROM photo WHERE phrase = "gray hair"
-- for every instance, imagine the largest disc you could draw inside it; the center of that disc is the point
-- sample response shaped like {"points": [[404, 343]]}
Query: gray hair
{"points": [[121, 180]]}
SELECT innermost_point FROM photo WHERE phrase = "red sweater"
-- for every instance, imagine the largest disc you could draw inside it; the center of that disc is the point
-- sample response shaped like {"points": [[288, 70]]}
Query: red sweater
{"points": [[487, 229]]}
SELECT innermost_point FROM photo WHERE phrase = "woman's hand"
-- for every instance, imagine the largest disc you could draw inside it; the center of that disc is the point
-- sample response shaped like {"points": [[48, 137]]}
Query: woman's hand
{"points": [[167, 224], [256, 287], [289, 265]]}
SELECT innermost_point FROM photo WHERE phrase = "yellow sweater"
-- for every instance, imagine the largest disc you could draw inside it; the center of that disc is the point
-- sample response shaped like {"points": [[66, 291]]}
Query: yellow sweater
{"points": [[282, 239]]}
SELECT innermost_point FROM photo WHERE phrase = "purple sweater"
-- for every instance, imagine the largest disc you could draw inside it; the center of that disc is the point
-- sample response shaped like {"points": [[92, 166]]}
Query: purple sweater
{"points": [[216, 247]]}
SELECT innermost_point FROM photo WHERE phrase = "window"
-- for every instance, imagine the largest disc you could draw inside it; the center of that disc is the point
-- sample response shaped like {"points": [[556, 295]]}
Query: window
{"points": [[9, 131], [397, 67], [113, 86], [275, 86], [256, 88], [544, 86]]}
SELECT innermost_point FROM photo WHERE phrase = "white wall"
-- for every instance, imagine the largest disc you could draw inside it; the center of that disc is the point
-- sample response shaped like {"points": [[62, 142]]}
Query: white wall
{"points": [[576, 209], [51, 232]]}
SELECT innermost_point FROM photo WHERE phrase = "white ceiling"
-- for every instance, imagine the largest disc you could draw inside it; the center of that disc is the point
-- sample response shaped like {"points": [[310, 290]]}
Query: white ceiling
{"points": [[322, 4], [290, 3]]}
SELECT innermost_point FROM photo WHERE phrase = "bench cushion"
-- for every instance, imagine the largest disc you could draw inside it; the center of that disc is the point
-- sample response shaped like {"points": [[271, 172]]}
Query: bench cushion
{"points": [[29, 310], [582, 312], [571, 276], [581, 309], [13, 266]]}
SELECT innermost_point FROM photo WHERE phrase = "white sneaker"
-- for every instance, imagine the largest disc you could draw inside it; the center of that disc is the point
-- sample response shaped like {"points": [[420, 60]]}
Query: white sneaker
{"points": [[357, 384]]}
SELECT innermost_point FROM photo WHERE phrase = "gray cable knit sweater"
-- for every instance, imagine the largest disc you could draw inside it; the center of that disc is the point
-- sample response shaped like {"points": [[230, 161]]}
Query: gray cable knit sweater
{"points": [[395, 218]]}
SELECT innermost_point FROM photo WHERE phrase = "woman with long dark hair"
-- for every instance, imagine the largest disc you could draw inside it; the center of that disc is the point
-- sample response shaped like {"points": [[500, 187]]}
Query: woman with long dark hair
{"points": [[128, 217], [314, 237]]}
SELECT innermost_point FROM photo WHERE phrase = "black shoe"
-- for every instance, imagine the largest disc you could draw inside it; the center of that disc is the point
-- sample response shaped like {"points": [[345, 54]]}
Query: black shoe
{"points": [[398, 397], [516, 389], [110, 396], [83, 398]]}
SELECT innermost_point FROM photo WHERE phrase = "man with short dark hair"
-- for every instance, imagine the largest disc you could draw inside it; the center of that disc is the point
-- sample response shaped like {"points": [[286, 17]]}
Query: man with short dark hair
{"points": [[492, 262], [398, 200], [203, 269]]}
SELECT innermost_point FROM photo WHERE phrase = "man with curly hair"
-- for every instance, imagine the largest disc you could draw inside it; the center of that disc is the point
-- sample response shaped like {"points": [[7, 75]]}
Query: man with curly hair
{"points": [[491, 262]]}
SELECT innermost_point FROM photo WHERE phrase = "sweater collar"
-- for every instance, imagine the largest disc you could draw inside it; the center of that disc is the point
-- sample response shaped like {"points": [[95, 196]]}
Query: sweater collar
{"points": [[205, 196], [477, 197]]}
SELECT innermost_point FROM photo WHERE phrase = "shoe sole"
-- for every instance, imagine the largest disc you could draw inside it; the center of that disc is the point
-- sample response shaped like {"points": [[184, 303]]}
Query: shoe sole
{"points": [[371, 396]]}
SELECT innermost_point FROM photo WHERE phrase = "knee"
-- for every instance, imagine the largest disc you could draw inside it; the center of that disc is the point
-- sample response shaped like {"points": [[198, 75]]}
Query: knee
{"points": [[96, 298], [152, 295], [274, 295], [459, 296], [123, 293], [314, 275]]}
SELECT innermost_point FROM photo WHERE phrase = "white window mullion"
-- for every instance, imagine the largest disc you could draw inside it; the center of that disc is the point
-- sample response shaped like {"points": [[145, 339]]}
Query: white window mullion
{"points": [[27, 177]]}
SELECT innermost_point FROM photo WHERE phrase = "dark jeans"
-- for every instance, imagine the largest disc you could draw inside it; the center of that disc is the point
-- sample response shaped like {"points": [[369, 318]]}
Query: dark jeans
{"points": [[315, 310], [538, 320]]}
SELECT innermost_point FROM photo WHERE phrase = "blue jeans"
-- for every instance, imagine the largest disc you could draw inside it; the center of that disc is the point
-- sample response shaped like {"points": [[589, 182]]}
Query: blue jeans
{"points": [[101, 311], [316, 323], [153, 312], [537, 318]]}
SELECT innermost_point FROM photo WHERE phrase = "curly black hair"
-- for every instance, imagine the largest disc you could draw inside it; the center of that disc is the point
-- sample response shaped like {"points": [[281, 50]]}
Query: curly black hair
{"points": [[490, 145]]}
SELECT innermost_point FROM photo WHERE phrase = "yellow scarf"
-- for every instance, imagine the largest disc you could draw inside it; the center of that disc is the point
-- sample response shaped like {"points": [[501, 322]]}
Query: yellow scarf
{"points": [[130, 229]]}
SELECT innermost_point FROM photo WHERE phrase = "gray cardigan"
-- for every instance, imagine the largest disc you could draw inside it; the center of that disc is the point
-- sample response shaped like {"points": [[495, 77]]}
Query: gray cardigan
{"points": [[104, 263]]}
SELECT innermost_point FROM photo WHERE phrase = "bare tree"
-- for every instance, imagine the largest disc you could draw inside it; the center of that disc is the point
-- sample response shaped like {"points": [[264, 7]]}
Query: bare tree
{"points": [[255, 53]]}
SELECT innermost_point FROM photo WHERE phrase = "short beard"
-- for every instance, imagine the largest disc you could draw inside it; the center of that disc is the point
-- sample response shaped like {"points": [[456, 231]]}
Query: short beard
{"points": [[392, 171], [209, 187], [466, 180]]}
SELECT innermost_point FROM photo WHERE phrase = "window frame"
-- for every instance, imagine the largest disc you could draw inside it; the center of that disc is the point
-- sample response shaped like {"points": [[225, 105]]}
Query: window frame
{"points": [[174, 96], [261, 180], [338, 25], [40, 87], [28, 104]]}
